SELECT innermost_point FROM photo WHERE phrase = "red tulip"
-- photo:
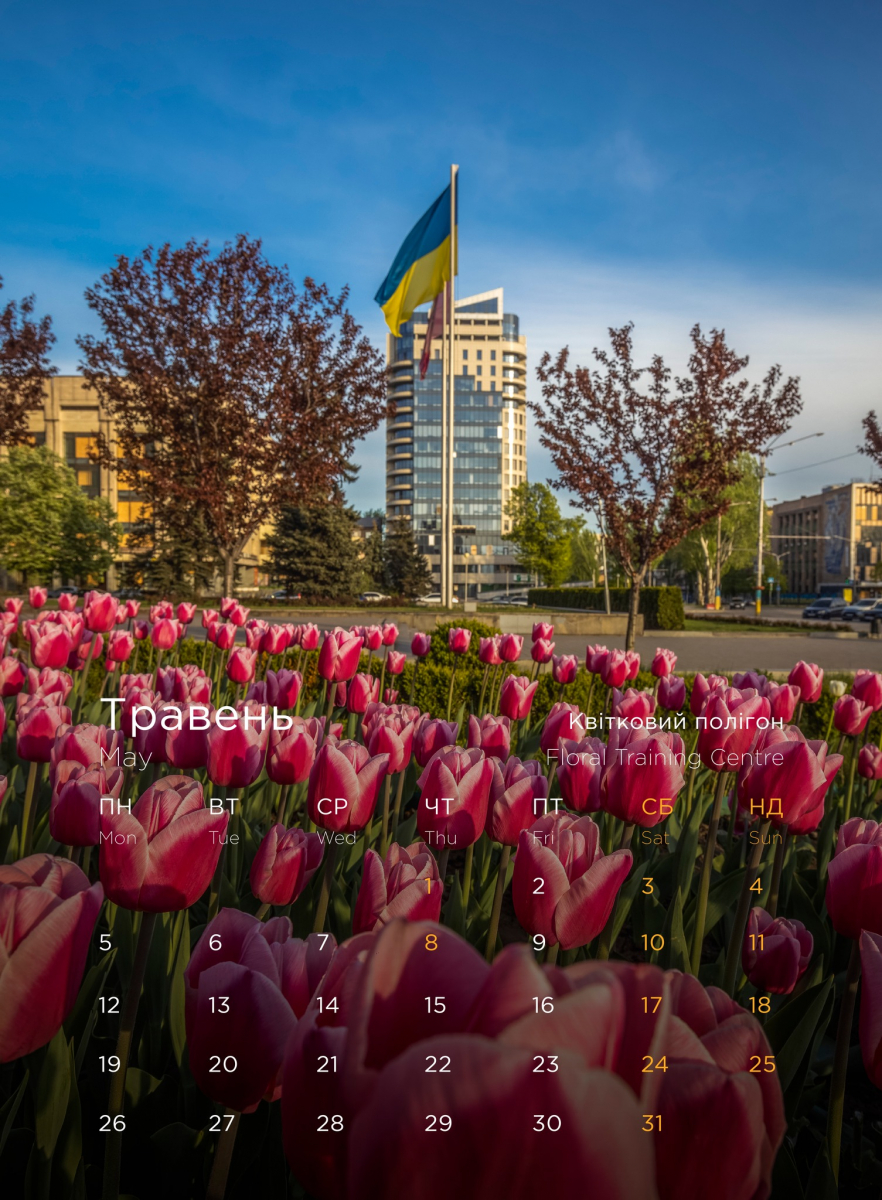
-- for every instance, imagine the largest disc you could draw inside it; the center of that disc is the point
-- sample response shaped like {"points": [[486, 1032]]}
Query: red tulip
{"points": [[238, 615], [275, 640], [372, 636], [643, 775], [339, 655], [37, 596], [671, 693], [458, 640], [563, 886], [663, 664], [420, 645], [75, 808], [809, 678], [292, 751], [120, 646], [67, 601], [730, 729], [516, 697], [542, 650], [309, 637], [225, 636], [867, 687], [13, 675], [785, 766], [48, 913], [854, 879], [783, 699], [89, 745], [285, 862], [160, 857], [430, 736], [405, 884], [236, 755], [186, 612], [490, 734], [454, 794], [164, 634], [161, 611], [517, 799], [362, 691], [35, 729], [702, 688], [390, 633], [99, 611], [870, 1021], [395, 661], [632, 705], [869, 762], [50, 645], [391, 734], [632, 658], [283, 688], [210, 616], [186, 748], [564, 668], [343, 786], [227, 604], [488, 651], [337, 694], [14, 604], [510, 646], [562, 722], [776, 952], [850, 715], [241, 665], [580, 768], [542, 629], [141, 630], [133, 607], [613, 668]]}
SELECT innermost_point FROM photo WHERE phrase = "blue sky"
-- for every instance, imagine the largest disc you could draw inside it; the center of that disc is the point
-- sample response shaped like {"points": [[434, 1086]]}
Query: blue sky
{"points": [[664, 163]]}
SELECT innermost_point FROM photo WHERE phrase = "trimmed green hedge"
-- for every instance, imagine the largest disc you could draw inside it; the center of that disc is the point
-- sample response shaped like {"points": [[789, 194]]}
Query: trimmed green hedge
{"points": [[662, 607]]}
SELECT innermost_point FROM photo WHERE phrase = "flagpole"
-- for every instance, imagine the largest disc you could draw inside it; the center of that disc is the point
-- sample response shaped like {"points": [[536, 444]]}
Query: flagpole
{"points": [[442, 535], [451, 413]]}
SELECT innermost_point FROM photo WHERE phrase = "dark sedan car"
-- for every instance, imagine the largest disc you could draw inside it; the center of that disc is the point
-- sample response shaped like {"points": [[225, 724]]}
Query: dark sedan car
{"points": [[827, 606]]}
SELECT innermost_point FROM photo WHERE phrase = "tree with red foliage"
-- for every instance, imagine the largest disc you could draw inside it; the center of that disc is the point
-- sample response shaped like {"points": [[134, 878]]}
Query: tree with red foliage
{"points": [[654, 459], [234, 393], [24, 367]]}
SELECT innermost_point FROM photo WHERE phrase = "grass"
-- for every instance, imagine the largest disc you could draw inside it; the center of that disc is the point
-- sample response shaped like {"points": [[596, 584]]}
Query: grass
{"points": [[720, 625]]}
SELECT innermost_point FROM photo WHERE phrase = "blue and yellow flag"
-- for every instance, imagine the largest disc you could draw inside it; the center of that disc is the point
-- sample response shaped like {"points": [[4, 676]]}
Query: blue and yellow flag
{"points": [[421, 267]]}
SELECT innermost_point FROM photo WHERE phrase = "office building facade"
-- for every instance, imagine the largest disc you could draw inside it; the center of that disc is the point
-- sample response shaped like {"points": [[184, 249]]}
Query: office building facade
{"points": [[490, 440], [831, 542]]}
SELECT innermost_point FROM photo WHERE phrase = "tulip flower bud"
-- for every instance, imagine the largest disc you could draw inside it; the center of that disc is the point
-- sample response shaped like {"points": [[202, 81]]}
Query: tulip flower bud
{"points": [[516, 697], [285, 862], [343, 786], [458, 640], [643, 775], [339, 656], [160, 857], [850, 715], [867, 687], [783, 699], [543, 630], [454, 795], [541, 650], [431, 735], [395, 662], [225, 636], [614, 668], [671, 693], [420, 645], [562, 722], [67, 602], [730, 729], [869, 763], [742, 680], [186, 612], [309, 637], [702, 688], [517, 799], [99, 611], [390, 633], [580, 768], [362, 691], [798, 773], [594, 658], [141, 630], [120, 645], [564, 668], [13, 676], [510, 646], [663, 664], [292, 751], [14, 604], [48, 913], [75, 809], [405, 885], [391, 734], [809, 678], [490, 734], [488, 651], [241, 665], [37, 596], [36, 726], [164, 634], [632, 705], [186, 748], [854, 895], [776, 952], [51, 645], [236, 755], [283, 688]]}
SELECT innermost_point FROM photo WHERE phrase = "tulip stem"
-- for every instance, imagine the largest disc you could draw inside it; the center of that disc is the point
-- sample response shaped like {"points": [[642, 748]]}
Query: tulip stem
{"points": [[450, 691], [777, 868], [483, 687], [551, 954], [442, 866], [467, 877], [30, 809], [384, 834], [399, 793], [413, 679], [283, 802], [840, 1058], [263, 910], [156, 669], [605, 944], [116, 1100], [736, 941], [325, 894], [849, 791], [706, 869], [497, 904], [223, 1156], [217, 878]]}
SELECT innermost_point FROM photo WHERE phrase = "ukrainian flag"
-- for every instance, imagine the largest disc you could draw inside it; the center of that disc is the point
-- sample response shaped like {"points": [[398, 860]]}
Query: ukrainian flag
{"points": [[422, 265]]}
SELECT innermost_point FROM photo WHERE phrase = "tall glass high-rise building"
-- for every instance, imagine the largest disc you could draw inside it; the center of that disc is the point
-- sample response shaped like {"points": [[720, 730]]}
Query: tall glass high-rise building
{"points": [[490, 432]]}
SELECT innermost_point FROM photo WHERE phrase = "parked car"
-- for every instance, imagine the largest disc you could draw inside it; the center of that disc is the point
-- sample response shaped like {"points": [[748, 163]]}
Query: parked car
{"points": [[852, 612], [433, 598], [827, 606], [67, 590], [871, 613], [372, 597], [281, 594], [738, 602], [518, 599]]}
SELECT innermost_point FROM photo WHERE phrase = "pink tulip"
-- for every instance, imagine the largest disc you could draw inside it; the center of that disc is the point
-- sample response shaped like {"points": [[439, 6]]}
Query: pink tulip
{"points": [[564, 887], [395, 661], [742, 680], [133, 607], [730, 728], [510, 646], [420, 645], [454, 795], [37, 596], [285, 862], [283, 688], [785, 766], [517, 799], [405, 885], [241, 665], [783, 699], [89, 745], [164, 634], [671, 693], [309, 637], [99, 611], [210, 616], [14, 604], [235, 755], [643, 775], [870, 1021], [516, 697], [161, 612], [67, 601], [390, 696], [186, 748], [562, 722], [51, 645], [238, 615], [580, 768], [339, 655], [48, 913], [292, 751], [120, 646], [161, 856], [390, 633], [633, 660], [541, 651], [663, 664], [431, 736], [275, 640], [75, 808], [391, 733], [854, 879], [809, 678], [564, 668], [542, 629], [869, 763], [488, 651], [776, 952], [867, 687], [458, 640], [13, 676], [850, 715], [362, 691], [594, 658], [36, 726], [141, 630], [186, 612], [632, 705], [490, 734], [343, 786], [702, 688], [614, 669]]}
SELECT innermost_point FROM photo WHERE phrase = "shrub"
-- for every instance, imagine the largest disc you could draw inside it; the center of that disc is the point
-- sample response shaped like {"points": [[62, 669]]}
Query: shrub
{"points": [[662, 607]]}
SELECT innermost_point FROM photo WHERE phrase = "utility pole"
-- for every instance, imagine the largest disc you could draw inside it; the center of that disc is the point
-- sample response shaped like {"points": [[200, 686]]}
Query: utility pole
{"points": [[759, 552], [718, 596]]}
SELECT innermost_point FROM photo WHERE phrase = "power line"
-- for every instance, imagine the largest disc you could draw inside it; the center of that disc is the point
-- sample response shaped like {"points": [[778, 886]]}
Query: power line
{"points": [[809, 466]]}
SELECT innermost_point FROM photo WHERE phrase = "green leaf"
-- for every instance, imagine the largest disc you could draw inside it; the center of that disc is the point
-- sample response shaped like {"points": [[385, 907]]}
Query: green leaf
{"points": [[675, 953], [785, 1175], [139, 1085], [791, 1030], [81, 1021], [802, 909], [51, 1094], [687, 847], [9, 1110], [630, 890], [822, 1182], [454, 910], [720, 899], [177, 1026], [67, 1161]]}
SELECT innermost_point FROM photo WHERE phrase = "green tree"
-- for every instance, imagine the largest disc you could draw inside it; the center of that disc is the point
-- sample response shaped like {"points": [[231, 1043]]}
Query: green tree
{"points": [[47, 523], [173, 557], [313, 551], [585, 559], [405, 570], [372, 554], [540, 535]]}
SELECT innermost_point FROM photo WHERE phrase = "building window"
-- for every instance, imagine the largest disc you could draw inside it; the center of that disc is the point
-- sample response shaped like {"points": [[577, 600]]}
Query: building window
{"points": [[465, 353], [480, 354], [479, 370], [492, 370], [493, 356]]}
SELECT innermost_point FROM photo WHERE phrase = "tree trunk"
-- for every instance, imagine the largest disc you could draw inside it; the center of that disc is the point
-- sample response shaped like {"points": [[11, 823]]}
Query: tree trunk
{"points": [[633, 611], [229, 565]]}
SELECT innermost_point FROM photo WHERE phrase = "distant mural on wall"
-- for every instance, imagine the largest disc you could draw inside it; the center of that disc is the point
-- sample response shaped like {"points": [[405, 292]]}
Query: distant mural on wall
{"points": [[837, 518]]}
